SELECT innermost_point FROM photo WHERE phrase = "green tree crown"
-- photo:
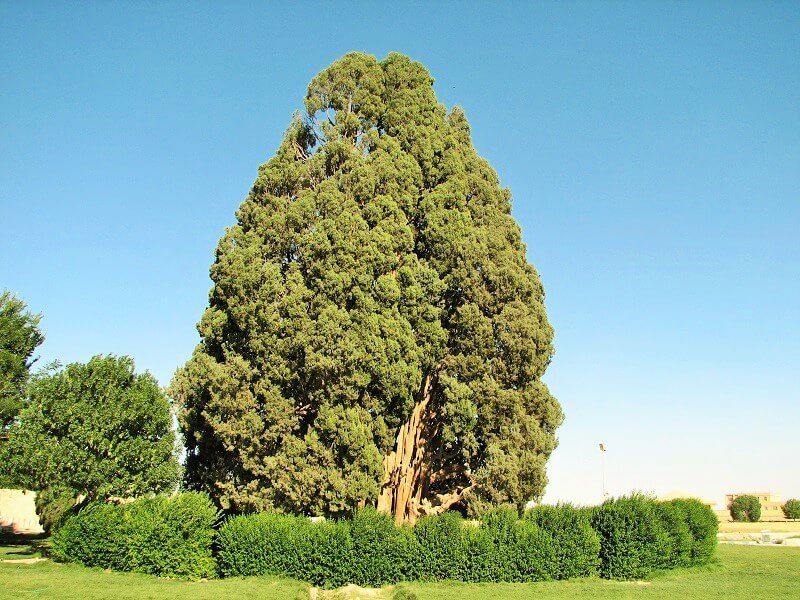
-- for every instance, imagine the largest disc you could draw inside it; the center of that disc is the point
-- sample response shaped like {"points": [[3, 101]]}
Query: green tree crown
{"points": [[19, 337], [96, 429], [791, 509], [746, 508], [374, 333]]}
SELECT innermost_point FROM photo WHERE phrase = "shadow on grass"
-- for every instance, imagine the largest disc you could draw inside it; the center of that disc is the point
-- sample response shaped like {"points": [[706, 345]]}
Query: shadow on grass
{"points": [[23, 545]]}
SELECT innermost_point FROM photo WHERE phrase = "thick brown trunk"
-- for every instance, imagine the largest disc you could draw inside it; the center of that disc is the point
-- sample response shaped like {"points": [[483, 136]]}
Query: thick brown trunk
{"points": [[407, 468]]}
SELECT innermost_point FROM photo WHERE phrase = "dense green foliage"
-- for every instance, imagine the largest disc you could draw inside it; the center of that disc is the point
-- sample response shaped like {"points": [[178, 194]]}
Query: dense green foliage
{"points": [[19, 337], [93, 537], [53, 506], [173, 537], [639, 535], [791, 509], [381, 551], [375, 253], [575, 544], [274, 544], [746, 508], [371, 550], [703, 527], [633, 539], [163, 536], [675, 520], [441, 548], [97, 430]]}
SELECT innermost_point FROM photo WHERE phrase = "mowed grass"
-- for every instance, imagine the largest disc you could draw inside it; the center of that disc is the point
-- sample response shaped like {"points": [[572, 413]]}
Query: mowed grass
{"points": [[741, 572], [65, 581]]}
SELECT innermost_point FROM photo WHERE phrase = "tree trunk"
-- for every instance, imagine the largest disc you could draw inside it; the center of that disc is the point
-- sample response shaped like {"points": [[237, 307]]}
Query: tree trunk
{"points": [[407, 469]]}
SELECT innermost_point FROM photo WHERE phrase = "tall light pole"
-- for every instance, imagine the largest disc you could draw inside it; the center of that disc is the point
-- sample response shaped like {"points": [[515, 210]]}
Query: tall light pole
{"points": [[603, 468]]}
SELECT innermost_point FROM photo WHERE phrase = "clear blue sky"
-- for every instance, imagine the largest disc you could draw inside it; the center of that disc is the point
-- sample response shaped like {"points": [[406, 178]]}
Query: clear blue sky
{"points": [[653, 150]]}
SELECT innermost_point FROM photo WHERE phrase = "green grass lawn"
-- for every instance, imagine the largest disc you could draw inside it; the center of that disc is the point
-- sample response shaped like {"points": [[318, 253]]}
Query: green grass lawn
{"points": [[743, 572]]}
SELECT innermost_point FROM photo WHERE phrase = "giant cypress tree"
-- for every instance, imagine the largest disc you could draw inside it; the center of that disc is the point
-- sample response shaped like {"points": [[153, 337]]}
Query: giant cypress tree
{"points": [[374, 333]]}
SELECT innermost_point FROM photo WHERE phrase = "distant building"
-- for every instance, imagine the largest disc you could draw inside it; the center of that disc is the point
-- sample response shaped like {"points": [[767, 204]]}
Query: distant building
{"points": [[771, 504]]}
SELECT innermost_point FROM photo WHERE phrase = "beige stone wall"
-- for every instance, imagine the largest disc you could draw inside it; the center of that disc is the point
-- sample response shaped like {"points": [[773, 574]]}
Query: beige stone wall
{"points": [[18, 511]]}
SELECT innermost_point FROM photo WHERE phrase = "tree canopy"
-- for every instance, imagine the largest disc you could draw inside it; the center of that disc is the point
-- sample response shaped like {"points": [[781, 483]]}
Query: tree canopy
{"points": [[374, 334], [791, 509], [746, 508], [19, 337], [96, 429]]}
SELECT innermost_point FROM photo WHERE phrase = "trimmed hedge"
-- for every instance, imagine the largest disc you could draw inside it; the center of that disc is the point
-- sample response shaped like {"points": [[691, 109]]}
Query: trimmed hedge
{"points": [[370, 550], [624, 538], [576, 546], [673, 517], [639, 535], [703, 527], [170, 537], [382, 552], [441, 550], [275, 544]]}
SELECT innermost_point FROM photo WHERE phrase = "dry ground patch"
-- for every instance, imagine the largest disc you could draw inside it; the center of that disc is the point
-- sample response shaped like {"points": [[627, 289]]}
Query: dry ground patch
{"points": [[773, 526]]}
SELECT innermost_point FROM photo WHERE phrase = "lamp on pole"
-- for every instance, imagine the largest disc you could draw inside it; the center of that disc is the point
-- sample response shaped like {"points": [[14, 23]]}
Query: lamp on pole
{"points": [[603, 468]]}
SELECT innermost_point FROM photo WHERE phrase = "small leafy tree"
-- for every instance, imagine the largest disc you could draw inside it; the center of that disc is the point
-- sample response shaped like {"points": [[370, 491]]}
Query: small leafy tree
{"points": [[95, 429], [746, 508], [19, 337], [791, 510]]}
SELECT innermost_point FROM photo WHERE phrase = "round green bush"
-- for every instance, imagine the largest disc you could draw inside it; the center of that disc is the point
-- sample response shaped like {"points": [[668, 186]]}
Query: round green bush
{"points": [[493, 547], [536, 553], [170, 537], [746, 508], [483, 559], [93, 537], [325, 553], [633, 539], [791, 509]]}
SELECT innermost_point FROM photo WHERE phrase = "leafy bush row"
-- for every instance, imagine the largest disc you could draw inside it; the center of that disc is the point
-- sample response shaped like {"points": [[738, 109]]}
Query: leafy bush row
{"points": [[549, 543], [639, 535], [162, 536], [624, 538]]}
